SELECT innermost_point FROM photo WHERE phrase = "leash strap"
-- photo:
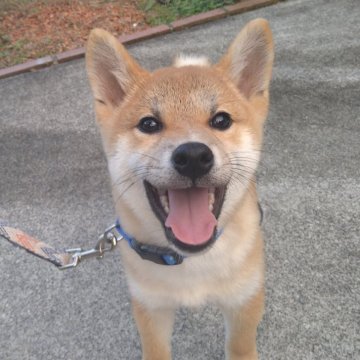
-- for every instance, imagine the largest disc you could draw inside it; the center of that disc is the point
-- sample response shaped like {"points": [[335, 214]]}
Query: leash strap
{"points": [[62, 258], [58, 257]]}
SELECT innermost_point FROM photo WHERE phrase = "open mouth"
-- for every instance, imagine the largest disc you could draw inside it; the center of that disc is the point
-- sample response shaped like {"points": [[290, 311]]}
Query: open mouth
{"points": [[189, 216]]}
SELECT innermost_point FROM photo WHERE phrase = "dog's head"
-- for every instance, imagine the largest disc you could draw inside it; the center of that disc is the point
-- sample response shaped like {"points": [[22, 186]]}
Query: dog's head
{"points": [[182, 142]]}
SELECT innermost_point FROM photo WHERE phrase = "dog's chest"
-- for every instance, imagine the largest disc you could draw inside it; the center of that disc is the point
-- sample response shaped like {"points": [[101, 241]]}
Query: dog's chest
{"points": [[216, 277]]}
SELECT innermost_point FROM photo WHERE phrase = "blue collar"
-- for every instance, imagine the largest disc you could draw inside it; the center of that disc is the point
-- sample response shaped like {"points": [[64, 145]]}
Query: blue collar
{"points": [[157, 254]]}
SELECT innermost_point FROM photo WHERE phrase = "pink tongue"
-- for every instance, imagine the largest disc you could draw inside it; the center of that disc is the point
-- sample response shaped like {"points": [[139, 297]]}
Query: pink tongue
{"points": [[189, 217]]}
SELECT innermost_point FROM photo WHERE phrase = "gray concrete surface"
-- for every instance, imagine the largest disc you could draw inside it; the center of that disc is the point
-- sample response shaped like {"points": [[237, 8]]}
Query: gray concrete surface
{"points": [[54, 185]]}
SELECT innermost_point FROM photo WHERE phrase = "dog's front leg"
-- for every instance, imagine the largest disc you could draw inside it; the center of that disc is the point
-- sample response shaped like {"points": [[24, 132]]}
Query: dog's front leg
{"points": [[241, 325], [155, 329]]}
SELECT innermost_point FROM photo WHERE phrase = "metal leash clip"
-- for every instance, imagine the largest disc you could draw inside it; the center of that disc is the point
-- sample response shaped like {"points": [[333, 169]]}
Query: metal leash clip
{"points": [[107, 242]]}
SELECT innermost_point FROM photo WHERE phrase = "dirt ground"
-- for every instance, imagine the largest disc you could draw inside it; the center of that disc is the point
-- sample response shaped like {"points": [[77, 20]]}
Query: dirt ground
{"points": [[32, 29]]}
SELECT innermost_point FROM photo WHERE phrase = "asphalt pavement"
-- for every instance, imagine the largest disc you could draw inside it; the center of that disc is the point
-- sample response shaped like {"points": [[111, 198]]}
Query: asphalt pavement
{"points": [[54, 185]]}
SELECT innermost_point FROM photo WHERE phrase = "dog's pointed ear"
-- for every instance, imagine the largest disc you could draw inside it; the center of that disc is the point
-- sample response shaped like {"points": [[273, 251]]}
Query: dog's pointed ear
{"points": [[249, 59], [111, 70]]}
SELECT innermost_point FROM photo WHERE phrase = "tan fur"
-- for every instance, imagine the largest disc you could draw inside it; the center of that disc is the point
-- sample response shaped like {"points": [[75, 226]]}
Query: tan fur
{"points": [[230, 273]]}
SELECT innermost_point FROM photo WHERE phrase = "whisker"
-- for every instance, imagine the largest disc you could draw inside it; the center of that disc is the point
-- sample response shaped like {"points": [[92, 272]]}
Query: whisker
{"points": [[129, 178], [141, 177], [131, 173], [123, 192], [243, 160], [145, 155], [245, 183], [245, 151]]}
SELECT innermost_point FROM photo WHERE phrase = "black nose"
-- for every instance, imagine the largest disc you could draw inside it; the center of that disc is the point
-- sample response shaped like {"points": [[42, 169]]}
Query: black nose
{"points": [[192, 159]]}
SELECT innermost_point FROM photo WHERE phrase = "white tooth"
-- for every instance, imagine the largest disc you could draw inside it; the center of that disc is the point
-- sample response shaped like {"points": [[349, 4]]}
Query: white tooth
{"points": [[211, 200], [164, 202]]}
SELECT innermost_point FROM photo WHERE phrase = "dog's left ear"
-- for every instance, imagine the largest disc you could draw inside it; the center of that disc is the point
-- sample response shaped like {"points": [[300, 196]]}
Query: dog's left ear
{"points": [[249, 59], [112, 72]]}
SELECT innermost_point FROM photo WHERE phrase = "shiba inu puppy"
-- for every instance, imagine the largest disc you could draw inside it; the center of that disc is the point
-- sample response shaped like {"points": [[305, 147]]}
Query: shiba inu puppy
{"points": [[182, 145]]}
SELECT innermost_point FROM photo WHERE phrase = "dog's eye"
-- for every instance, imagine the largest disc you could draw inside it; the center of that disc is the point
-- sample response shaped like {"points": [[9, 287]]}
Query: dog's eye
{"points": [[149, 125], [221, 121]]}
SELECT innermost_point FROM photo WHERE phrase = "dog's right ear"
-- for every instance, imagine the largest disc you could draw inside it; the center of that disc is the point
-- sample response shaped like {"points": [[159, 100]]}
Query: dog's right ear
{"points": [[111, 70], [249, 59]]}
